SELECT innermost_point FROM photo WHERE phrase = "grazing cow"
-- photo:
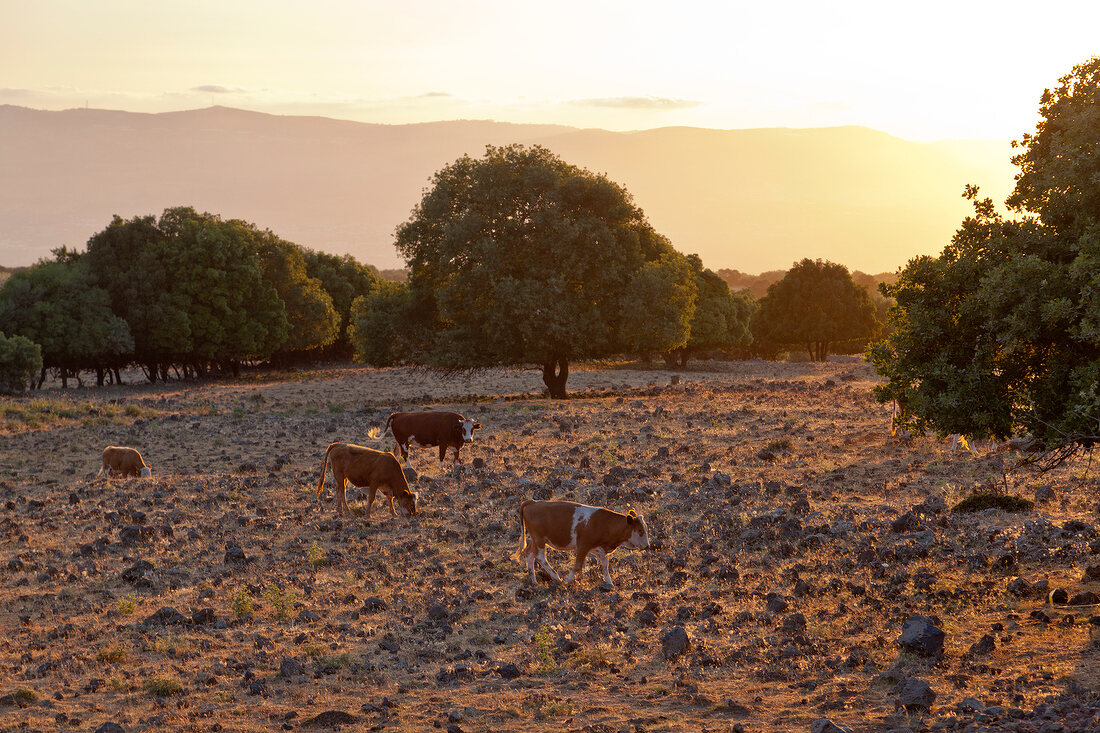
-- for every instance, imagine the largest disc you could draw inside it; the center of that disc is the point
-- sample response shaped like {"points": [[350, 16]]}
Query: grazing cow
{"points": [[123, 461], [566, 525], [366, 467], [431, 427]]}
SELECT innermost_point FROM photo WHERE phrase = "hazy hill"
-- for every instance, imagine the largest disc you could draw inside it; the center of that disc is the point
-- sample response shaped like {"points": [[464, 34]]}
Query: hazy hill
{"points": [[751, 200]]}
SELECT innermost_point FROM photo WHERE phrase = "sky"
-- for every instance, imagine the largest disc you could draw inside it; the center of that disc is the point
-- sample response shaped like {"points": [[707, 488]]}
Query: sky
{"points": [[921, 71]]}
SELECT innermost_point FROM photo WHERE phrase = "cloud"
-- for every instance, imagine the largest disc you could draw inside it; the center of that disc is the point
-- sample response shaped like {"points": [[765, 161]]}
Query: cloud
{"points": [[11, 92], [436, 94], [217, 89], [657, 103], [830, 107]]}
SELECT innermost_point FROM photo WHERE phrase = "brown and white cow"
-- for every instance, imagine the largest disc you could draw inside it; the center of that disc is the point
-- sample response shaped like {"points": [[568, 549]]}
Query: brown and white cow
{"points": [[566, 525], [430, 427], [124, 462], [367, 468]]}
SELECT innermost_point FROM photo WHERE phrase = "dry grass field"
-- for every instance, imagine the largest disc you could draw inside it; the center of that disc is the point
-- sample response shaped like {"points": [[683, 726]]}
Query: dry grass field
{"points": [[220, 595]]}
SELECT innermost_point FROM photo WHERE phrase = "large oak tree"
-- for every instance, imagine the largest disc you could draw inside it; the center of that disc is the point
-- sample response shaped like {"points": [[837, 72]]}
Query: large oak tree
{"points": [[1000, 334], [518, 257]]}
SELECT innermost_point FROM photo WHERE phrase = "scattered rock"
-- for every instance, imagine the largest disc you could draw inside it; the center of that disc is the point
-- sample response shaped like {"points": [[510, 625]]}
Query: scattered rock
{"points": [[110, 727], [907, 522], [290, 668], [824, 725], [1021, 588], [166, 616], [373, 604], [137, 572], [985, 645], [674, 642], [234, 554], [135, 534], [509, 671], [203, 617], [330, 719], [921, 636], [916, 694]]}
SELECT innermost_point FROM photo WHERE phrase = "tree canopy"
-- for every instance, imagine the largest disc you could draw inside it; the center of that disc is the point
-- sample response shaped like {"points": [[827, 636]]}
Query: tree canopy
{"points": [[344, 279], [56, 305], [1000, 334], [185, 289], [814, 305], [20, 360], [518, 257]]}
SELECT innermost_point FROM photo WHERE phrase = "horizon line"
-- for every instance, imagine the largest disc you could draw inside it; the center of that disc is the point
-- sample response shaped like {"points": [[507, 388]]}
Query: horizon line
{"points": [[503, 122]]}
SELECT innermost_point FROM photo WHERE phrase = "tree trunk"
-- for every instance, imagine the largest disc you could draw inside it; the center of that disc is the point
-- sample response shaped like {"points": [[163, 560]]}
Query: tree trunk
{"points": [[555, 382], [824, 350], [99, 374], [118, 376], [684, 353], [670, 359], [150, 371], [41, 378], [64, 377]]}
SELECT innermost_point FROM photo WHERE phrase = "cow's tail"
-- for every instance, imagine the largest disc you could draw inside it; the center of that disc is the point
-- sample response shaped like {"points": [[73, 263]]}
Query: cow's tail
{"points": [[376, 434], [522, 530], [324, 469]]}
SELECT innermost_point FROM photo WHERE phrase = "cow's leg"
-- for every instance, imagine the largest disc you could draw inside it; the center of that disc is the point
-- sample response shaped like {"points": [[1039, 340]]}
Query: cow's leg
{"points": [[370, 499], [530, 552], [605, 564], [339, 488], [389, 501], [578, 564], [546, 566]]}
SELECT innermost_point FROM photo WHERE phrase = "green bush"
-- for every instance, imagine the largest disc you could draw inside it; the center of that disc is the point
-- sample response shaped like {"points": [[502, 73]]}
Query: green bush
{"points": [[981, 501], [20, 361]]}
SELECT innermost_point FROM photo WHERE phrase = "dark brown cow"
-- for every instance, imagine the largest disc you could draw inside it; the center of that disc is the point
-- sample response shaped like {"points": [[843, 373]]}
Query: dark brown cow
{"points": [[430, 427], [366, 467], [123, 462], [566, 525]]}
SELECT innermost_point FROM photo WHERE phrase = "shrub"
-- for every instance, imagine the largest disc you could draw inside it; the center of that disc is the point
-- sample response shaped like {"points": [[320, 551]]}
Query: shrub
{"points": [[163, 686], [281, 601], [980, 501], [316, 555], [242, 603], [20, 361], [127, 605]]}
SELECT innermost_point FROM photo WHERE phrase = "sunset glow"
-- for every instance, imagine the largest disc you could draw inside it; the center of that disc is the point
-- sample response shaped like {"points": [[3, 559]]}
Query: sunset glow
{"points": [[935, 71]]}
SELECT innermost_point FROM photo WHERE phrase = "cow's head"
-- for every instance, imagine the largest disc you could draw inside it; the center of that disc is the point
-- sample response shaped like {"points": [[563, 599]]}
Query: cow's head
{"points": [[406, 503], [468, 428], [146, 472], [639, 537]]}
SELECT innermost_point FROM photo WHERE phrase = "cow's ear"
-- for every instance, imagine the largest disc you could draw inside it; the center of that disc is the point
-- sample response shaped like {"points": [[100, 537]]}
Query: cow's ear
{"points": [[477, 426]]}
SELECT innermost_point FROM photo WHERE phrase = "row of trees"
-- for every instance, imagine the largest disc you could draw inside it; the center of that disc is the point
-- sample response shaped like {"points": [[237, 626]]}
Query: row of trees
{"points": [[185, 293], [1000, 334], [520, 258], [513, 258]]}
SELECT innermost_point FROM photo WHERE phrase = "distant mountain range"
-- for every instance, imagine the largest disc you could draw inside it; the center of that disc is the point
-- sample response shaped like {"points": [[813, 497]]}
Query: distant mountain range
{"points": [[751, 200]]}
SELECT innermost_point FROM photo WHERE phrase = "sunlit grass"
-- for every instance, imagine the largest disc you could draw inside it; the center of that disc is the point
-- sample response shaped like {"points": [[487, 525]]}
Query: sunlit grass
{"points": [[38, 413]]}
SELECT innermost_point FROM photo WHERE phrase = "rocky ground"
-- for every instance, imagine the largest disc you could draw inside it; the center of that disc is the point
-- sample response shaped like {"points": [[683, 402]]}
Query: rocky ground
{"points": [[805, 565]]}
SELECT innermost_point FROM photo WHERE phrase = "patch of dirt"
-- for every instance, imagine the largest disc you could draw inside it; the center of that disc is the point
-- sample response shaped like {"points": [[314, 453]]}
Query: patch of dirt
{"points": [[792, 540]]}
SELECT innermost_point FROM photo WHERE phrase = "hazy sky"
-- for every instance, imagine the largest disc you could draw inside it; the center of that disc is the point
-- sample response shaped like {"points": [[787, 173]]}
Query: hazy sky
{"points": [[922, 71]]}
